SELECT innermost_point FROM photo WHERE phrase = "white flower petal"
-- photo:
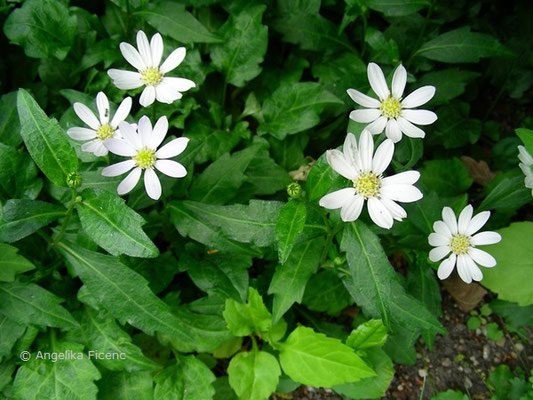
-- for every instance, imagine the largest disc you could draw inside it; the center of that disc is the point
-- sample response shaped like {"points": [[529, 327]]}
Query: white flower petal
{"points": [[144, 49], [482, 257], [86, 115], [366, 150], [464, 219], [524, 156], [340, 165], [129, 133], [403, 193], [446, 267], [393, 131], [399, 79], [145, 131], [419, 96], [477, 223], [179, 84], [152, 184], [403, 178], [132, 56], [165, 93], [173, 60], [156, 46], [159, 132], [438, 253], [122, 112], [382, 156], [484, 238], [379, 213], [337, 199], [436, 239], [120, 147], [172, 148], [362, 99], [365, 115], [100, 150], [397, 212], [147, 96], [377, 126], [350, 152], [118, 168], [377, 81], [102, 104], [463, 268], [352, 209], [171, 168], [91, 147], [409, 129], [448, 216], [419, 117], [125, 80], [442, 229], [78, 133], [474, 270], [129, 181]]}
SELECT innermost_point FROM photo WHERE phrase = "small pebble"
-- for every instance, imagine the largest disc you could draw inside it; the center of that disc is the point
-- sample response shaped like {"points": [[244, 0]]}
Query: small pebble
{"points": [[468, 383], [446, 362], [422, 373], [486, 352], [501, 342], [519, 347], [400, 387]]}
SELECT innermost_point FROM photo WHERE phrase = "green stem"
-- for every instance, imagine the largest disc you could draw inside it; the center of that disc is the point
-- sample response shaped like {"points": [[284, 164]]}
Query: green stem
{"points": [[64, 224], [329, 241]]}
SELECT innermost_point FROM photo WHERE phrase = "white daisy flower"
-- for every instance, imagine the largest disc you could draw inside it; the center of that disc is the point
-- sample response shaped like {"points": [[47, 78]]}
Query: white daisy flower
{"points": [[150, 74], [460, 238], [100, 128], [365, 169], [526, 161], [140, 145], [390, 112]]}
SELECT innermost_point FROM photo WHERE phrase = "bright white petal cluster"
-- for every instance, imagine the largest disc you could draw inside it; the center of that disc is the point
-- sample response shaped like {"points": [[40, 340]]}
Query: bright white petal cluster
{"points": [[459, 237], [364, 168], [391, 112], [146, 59], [140, 143], [100, 129], [526, 161]]}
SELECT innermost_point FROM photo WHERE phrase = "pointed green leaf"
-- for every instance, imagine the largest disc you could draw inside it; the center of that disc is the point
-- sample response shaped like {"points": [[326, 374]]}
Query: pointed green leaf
{"points": [[11, 263], [28, 303], [114, 226], [397, 8], [289, 225], [9, 122], [126, 386], [371, 333], [10, 331], [17, 174], [244, 46], [314, 359], [325, 292], [45, 140], [244, 319], [446, 177], [322, 180]]}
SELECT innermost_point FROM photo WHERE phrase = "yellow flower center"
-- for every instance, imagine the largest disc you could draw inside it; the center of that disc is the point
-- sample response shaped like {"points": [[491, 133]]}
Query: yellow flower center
{"points": [[145, 158], [104, 132], [460, 244], [151, 76], [367, 184], [390, 107]]}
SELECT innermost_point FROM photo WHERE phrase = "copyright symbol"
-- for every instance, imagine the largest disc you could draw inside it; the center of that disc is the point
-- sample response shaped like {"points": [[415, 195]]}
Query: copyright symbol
{"points": [[25, 355]]}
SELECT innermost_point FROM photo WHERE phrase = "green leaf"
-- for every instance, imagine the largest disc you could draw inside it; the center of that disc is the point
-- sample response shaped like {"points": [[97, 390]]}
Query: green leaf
{"points": [[314, 359], [218, 183], [11, 263], [114, 226], [23, 217], [371, 333], [295, 107], [376, 287], [289, 225], [454, 128], [514, 315], [245, 319], [10, 332], [265, 176], [254, 375], [123, 292], [218, 274], [514, 256], [450, 395], [494, 332], [449, 83], [526, 135], [397, 8], [322, 179], [100, 332], [463, 46], [171, 19], [289, 280], [43, 27], [504, 385], [45, 140], [507, 190], [28, 303], [17, 174], [126, 386], [244, 46], [423, 285], [189, 379], [65, 379], [325, 292], [446, 177], [9, 122]]}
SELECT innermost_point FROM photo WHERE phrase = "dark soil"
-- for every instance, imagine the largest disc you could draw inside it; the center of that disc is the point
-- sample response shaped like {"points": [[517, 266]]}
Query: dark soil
{"points": [[462, 360]]}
